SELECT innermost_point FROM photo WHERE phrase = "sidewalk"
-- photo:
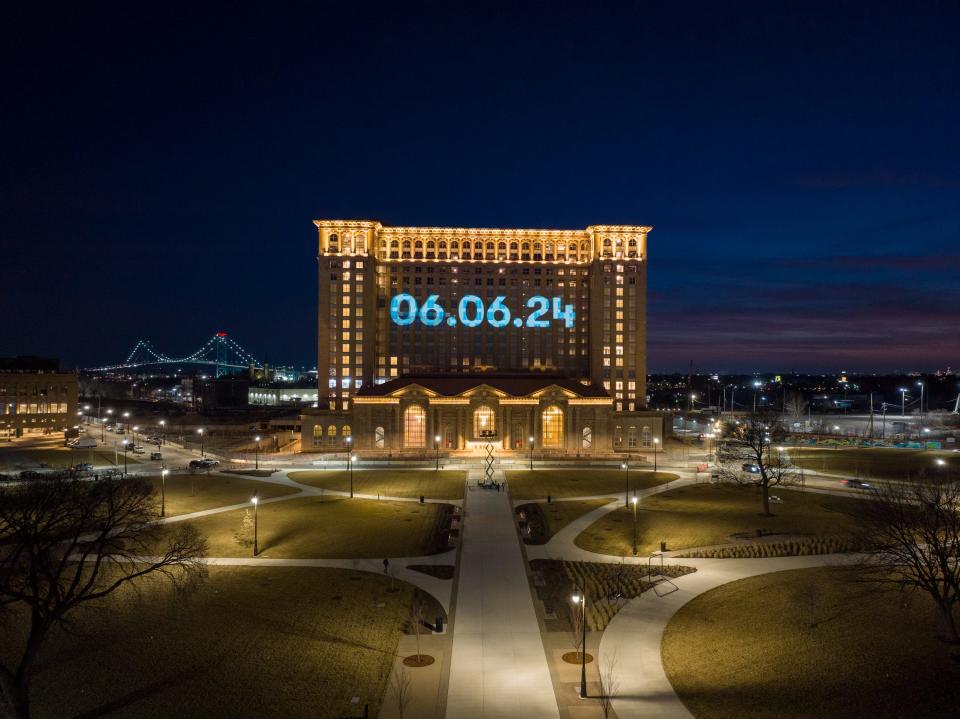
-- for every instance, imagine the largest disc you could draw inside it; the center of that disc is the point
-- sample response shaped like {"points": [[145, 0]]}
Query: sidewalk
{"points": [[499, 667]]}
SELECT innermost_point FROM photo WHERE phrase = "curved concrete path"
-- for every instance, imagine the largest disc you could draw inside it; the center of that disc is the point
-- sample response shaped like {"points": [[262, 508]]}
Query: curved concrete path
{"points": [[635, 634]]}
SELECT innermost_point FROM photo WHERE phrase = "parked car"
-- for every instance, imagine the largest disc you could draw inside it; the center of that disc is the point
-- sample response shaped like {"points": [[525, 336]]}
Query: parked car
{"points": [[857, 483], [30, 474], [84, 467], [155, 456], [137, 449]]}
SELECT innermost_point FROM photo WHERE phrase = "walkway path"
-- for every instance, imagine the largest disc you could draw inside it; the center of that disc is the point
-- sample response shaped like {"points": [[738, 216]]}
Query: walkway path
{"points": [[635, 633], [498, 668]]}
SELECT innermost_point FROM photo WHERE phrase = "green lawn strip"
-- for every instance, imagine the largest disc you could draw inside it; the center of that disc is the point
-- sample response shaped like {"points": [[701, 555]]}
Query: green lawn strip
{"points": [[708, 514], [329, 527], [810, 644], [188, 493], [542, 521], [585, 482], [251, 642], [872, 463], [407, 483]]}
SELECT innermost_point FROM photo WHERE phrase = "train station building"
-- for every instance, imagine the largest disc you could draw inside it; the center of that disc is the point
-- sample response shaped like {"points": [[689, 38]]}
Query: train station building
{"points": [[448, 338]]}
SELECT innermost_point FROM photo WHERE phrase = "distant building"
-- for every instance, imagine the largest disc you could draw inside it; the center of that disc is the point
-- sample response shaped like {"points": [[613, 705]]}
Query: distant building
{"points": [[225, 392], [36, 398], [281, 394]]}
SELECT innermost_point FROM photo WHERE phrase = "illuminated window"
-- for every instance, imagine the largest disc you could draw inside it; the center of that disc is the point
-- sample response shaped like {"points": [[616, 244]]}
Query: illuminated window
{"points": [[378, 435], [632, 438], [414, 426], [645, 437], [587, 439], [552, 427], [483, 421], [331, 433], [317, 435], [345, 431]]}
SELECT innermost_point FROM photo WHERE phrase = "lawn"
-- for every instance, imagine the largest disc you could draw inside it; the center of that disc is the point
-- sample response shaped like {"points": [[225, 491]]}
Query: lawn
{"points": [[407, 483], [706, 514], [809, 643], [328, 527], [584, 482], [872, 463], [191, 493], [251, 642], [545, 520]]}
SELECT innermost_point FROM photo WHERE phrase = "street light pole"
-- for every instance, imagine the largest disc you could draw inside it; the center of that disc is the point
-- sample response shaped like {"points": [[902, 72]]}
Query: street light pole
{"points": [[531, 452], [656, 441], [634, 526], [200, 432], [903, 402], [163, 491], [256, 504], [921, 401], [581, 599], [163, 431], [257, 455], [626, 476], [125, 442], [352, 460], [436, 446]]}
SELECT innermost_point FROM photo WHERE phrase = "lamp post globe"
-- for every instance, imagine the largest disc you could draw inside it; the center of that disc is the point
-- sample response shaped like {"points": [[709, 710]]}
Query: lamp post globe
{"points": [[256, 505]]}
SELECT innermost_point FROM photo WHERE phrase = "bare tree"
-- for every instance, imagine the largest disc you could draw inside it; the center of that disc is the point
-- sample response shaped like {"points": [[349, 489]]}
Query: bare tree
{"points": [[401, 686], [748, 454], [795, 405], [609, 684], [416, 617], [916, 531], [66, 542], [576, 628]]}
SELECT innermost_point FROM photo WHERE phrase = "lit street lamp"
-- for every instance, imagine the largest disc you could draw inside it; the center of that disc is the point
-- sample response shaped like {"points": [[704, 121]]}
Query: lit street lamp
{"points": [[256, 503], [126, 417], [136, 428], [163, 491], [921, 401], [257, 455], [756, 387], [531, 452], [581, 599], [634, 526], [436, 446], [656, 442], [200, 432], [903, 401], [353, 458], [163, 431], [626, 476], [125, 443], [103, 427]]}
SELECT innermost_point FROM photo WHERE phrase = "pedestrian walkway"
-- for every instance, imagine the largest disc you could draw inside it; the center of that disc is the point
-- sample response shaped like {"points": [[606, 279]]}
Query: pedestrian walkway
{"points": [[634, 635], [498, 668]]}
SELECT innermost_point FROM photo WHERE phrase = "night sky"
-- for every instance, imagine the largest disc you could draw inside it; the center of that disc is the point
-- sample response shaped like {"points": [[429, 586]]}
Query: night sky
{"points": [[161, 167]]}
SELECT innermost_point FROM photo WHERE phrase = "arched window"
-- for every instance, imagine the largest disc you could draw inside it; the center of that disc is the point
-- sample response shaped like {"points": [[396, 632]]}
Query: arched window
{"points": [[587, 441], [317, 435], [414, 426], [484, 422], [345, 430], [378, 435], [332, 433], [347, 242], [332, 241], [551, 421]]}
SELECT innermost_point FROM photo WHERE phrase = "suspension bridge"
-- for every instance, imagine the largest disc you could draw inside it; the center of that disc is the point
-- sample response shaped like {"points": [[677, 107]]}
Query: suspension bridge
{"points": [[219, 351]]}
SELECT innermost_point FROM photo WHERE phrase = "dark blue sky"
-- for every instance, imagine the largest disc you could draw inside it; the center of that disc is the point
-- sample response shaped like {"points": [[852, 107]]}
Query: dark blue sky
{"points": [[799, 162]]}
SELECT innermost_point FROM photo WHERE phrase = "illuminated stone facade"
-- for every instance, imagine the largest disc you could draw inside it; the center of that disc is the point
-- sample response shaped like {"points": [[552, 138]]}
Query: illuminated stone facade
{"points": [[405, 302]]}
